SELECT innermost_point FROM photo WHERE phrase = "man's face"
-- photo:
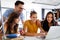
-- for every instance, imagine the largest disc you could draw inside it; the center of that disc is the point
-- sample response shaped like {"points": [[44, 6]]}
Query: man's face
{"points": [[19, 8]]}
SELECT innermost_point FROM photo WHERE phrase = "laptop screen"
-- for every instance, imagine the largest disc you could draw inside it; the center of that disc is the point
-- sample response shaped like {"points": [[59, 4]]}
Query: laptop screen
{"points": [[54, 32]]}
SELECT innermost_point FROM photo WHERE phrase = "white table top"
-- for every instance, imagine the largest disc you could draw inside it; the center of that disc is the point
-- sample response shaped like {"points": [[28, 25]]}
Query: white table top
{"points": [[32, 38]]}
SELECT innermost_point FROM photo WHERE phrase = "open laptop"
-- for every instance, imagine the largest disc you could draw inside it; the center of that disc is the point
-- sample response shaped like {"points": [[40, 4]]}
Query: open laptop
{"points": [[54, 33]]}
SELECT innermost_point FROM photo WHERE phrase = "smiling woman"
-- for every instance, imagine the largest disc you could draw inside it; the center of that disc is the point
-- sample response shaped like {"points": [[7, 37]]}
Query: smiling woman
{"points": [[31, 26], [48, 22], [11, 24]]}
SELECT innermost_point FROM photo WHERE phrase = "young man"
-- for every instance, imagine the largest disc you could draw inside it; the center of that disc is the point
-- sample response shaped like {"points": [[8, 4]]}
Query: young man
{"points": [[31, 26], [18, 8]]}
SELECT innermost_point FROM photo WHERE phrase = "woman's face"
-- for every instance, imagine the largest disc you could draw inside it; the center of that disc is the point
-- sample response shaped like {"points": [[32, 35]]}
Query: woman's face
{"points": [[49, 18], [17, 20], [34, 17]]}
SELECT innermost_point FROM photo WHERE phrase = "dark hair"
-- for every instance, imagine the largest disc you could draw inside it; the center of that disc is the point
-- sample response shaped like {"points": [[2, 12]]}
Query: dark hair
{"points": [[32, 12], [10, 20], [45, 22], [19, 2], [12, 16], [52, 16]]}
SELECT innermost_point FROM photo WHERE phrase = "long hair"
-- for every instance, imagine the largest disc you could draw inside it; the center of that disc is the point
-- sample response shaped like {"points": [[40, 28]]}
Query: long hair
{"points": [[45, 22], [52, 17], [10, 20]]}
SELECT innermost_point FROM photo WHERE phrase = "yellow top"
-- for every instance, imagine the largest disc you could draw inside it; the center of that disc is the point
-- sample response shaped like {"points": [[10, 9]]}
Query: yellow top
{"points": [[31, 27]]}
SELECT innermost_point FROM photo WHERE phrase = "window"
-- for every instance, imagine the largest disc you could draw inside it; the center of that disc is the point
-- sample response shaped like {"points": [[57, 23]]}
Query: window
{"points": [[46, 11]]}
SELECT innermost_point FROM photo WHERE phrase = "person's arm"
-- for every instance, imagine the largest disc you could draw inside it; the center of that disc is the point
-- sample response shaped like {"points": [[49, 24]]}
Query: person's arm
{"points": [[5, 28], [32, 34], [41, 29], [22, 18], [4, 19], [5, 15], [17, 30], [22, 21], [40, 26], [25, 33]]}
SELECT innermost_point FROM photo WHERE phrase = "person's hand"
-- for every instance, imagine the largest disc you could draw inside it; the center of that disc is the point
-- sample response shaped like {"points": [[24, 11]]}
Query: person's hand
{"points": [[40, 34], [6, 34], [22, 32]]}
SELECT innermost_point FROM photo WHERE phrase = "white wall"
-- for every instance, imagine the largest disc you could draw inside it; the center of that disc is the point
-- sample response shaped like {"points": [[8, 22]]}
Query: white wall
{"points": [[8, 3]]}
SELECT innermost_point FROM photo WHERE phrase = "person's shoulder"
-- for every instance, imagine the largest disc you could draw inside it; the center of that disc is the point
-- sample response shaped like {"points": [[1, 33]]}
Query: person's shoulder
{"points": [[11, 9], [27, 20]]}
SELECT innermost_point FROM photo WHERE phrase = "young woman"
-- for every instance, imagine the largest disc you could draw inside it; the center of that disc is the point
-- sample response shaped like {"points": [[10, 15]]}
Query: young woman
{"points": [[48, 22], [11, 25], [31, 26]]}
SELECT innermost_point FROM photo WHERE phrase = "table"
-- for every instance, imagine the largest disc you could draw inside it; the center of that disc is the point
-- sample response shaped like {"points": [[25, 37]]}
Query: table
{"points": [[26, 38], [32, 38]]}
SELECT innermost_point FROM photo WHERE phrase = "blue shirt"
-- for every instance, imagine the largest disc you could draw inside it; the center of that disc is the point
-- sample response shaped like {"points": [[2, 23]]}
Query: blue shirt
{"points": [[9, 11]]}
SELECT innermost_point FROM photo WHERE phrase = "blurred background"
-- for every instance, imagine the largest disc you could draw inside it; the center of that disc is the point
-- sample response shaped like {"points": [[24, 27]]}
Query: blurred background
{"points": [[40, 6]]}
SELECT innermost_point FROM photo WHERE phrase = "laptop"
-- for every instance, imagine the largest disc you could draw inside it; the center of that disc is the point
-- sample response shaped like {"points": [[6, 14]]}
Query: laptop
{"points": [[54, 33]]}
